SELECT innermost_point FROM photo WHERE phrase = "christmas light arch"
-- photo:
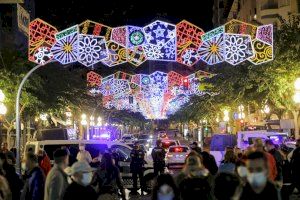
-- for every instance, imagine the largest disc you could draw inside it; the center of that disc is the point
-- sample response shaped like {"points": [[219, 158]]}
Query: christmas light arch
{"points": [[91, 42]]}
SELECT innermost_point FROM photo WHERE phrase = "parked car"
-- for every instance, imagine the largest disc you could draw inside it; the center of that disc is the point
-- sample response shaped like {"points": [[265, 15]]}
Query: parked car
{"points": [[166, 143], [128, 138], [94, 146]]}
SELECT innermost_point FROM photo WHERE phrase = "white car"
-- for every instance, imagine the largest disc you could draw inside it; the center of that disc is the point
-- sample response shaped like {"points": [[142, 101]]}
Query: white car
{"points": [[128, 138], [167, 143], [176, 156]]}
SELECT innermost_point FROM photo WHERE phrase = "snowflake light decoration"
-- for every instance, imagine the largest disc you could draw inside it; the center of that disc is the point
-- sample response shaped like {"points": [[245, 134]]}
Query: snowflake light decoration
{"points": [[41, 39], [65, 48], [212, 51], [92, 42], [91, 49], [93, 79], [238, 48]]}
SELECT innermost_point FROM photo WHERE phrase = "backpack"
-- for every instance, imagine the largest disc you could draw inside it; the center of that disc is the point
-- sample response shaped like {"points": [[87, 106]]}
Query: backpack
{"points": [[195, 187]]}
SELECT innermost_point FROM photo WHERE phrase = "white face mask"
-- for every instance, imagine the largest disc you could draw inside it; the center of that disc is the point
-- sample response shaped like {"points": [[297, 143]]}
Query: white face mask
{"points": [[87, 178], [242, 171], [257, 179], [165, 193], [81, 148]]}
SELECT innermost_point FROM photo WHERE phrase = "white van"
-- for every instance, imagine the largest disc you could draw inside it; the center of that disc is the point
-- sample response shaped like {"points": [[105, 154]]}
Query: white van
{"points": [[246, 138], [94, 146]]}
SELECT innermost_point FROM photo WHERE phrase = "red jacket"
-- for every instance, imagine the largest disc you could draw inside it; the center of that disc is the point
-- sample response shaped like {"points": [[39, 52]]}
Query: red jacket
{"points": [[272, 166], [45, 164]]}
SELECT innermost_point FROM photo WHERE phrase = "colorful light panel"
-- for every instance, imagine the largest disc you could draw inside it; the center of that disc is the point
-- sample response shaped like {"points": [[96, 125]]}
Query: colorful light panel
{"points": [[185, 43]]}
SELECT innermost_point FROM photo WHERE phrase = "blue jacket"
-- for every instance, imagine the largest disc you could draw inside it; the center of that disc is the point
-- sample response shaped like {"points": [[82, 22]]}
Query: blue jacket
{"points": [[34, 185]]}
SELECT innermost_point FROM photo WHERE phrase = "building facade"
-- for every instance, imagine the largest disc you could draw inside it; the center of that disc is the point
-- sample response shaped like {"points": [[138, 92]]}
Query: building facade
{"points": [[263, 11]]}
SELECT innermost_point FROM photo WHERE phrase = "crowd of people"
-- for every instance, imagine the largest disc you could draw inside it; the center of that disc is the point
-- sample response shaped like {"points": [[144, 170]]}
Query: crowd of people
{"points": [[260, 172]]}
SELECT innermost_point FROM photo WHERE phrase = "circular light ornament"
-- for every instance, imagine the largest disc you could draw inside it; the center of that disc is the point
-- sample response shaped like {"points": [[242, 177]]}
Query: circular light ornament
{"points": [[136, 38]]}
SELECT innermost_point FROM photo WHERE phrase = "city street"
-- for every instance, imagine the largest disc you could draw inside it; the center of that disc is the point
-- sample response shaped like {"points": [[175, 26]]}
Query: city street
{"points": [[180, 99]]}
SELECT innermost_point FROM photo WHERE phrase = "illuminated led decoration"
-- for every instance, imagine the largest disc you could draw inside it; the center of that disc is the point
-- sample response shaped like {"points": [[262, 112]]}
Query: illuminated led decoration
{"points": [[89, 27], [263, 52], [65, 48], [188, 39], [152, 95], [161, 39], [41, 39], [136, 55], [93, 82], [92, 42], [116, 54], [265, 33], [91, 49], [237, 48], [119, 35], [189, 56], [93, 79], [212, 51], [136, 36], [213, 33], [238, 27]]}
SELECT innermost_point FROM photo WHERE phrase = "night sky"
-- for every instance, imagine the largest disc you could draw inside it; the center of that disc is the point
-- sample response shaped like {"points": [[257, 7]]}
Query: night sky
{"points": [[62, 13]]}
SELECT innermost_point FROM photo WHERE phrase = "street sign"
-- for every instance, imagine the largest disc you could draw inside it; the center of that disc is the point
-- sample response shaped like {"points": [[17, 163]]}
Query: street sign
{"points": [[23, 19], [11, 1]]}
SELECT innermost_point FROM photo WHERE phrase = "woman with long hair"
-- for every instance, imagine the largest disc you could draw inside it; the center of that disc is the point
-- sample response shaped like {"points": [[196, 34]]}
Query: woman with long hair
{"points": [[108, 179]]}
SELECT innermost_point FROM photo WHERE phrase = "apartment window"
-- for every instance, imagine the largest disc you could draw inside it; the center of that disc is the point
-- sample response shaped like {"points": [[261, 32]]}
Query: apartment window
{"points": [[269, 4]]}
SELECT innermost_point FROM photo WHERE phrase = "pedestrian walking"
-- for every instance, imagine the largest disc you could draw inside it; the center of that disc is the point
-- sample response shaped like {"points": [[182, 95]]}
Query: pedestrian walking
{"points": [[194, 180], [44, 161], [137, 167], [194, 147], [165, 188], [80, 188], [258, 186], [107, 178], [158, 155], [57, 179], [35, 179], [226, 186], [228, 164], [5, 193], [83, 155]]}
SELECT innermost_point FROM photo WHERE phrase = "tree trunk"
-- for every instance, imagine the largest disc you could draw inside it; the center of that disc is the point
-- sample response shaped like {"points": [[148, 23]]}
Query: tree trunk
{"points": [[295, 115]]}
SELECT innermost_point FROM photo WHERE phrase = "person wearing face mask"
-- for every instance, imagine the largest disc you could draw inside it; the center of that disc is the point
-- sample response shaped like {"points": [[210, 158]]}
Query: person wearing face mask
{"points": [[258, 186], [226, 186], [165, 188], [194, 180], [83, 155], [241, 171], [80, 188], [57, 179]]}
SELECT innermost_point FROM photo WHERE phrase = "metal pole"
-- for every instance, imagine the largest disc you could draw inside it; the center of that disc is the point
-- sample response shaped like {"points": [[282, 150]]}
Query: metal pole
{"points": [[18, 124]]}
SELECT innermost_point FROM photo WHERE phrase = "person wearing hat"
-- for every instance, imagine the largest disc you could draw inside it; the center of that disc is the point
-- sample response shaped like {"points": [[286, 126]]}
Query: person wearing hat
{"points": [[137, 167], [158, 155], [83, 155], [57, 179], [80, 188]]}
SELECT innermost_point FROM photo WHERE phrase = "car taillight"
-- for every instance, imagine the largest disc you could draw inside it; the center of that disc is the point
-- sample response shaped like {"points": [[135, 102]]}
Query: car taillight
{"points": [[169, 155]]}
